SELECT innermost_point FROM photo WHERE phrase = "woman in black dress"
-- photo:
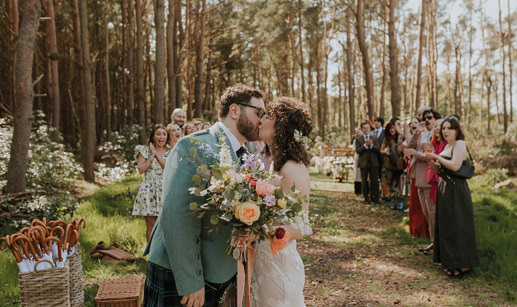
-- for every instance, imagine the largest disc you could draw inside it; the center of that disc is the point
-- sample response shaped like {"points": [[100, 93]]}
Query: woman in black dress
{"points": [[455, 245]]}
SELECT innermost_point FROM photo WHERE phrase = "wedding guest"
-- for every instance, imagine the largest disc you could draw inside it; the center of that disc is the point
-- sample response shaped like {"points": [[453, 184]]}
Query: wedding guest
{"points": [[394, 163], [431, 174], [357, 170], [367, 146], [455, 237], [190, 128], [205, 125], [174, 133], [420, 143], [179, 117], [198, 125], [417, 222], [151, 161]]}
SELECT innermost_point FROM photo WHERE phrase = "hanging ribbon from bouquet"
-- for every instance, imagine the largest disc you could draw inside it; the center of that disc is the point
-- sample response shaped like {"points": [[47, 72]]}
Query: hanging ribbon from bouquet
{"points": [[243, 245]]}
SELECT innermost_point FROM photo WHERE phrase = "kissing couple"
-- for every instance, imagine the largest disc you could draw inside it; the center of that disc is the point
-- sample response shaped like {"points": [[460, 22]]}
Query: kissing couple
{"points": [[189, 267]]}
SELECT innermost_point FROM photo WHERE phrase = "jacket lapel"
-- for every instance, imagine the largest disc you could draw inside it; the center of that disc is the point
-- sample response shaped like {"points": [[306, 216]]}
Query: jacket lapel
{"points": [[218, 130]]}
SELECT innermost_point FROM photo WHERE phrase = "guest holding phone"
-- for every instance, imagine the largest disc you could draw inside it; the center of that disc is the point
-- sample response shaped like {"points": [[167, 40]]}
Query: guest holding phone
{"points": [[455, 234]]}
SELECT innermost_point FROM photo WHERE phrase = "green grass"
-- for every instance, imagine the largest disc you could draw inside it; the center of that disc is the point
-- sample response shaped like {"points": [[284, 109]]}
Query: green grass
{"points": [[108, 215], [496, 230], [109, 219]]}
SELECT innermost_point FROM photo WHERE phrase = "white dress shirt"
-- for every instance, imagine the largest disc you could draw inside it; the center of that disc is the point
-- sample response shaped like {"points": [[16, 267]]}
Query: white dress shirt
{"points": [[233, 140]]}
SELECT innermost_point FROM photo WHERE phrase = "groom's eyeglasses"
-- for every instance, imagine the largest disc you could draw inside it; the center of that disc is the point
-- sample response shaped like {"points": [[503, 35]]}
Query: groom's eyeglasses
{"points": [[261, 112]]}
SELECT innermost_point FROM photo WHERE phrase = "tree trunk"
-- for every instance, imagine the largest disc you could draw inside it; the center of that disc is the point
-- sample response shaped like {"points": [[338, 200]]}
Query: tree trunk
{"points": [[106, 71], [503, 64], [383, 58], [171, 56], [300, 45], [457, 87], [423, 13], [368, 76], [190, 44], [198, 86], [140, 90], [130, 62], [510, 69], [488, 94], [291, 52], [351, 92], [89, 98], [13, 14], [159, 69], [178, 47], [394, 62], [471, 38], [53, 68], [17, 167], [432, 55]]}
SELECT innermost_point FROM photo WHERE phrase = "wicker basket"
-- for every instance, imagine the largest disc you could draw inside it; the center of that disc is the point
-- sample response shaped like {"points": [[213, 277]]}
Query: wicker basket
{"points": [[76, 278], [120, 293], [45, 288]]}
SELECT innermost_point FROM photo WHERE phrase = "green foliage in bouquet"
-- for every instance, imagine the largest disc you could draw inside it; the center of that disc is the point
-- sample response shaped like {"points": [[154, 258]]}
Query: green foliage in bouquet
{"points": [[247, 197]]}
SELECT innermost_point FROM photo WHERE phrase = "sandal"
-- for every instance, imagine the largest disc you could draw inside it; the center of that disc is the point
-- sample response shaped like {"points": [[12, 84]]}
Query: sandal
{"points": [[428, 252], [429, 247], [455, 273]]}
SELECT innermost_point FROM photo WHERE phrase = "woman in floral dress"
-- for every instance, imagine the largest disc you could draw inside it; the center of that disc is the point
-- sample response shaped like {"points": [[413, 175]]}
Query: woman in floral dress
{"points": [[151, 161]]}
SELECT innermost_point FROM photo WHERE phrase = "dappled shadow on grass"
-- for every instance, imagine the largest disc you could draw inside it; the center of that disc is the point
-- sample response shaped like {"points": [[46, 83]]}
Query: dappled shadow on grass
{"points": [[108, 214], [364, 255]]}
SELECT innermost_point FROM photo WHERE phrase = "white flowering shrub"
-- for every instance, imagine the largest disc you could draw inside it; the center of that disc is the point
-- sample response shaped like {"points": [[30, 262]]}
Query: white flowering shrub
{"points": [[49, 166], [20, 211], [118, 155], [115, 173]]}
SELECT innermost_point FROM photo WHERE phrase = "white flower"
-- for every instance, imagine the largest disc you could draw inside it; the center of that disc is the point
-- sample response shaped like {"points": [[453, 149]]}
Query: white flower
{"points": [[226, 157], [302, 139]]}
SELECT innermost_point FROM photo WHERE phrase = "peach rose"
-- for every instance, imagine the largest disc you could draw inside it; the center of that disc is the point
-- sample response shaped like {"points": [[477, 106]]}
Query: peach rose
{"points": [[247, 212], [263, 187]]}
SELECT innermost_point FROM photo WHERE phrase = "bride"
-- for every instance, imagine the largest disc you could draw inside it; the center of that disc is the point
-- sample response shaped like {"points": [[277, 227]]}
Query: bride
{"points": [[279, 280]]}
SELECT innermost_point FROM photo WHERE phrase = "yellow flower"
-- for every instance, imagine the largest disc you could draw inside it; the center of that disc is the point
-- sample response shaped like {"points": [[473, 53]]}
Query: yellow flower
{"points": [[247, 212], [282, 203]]}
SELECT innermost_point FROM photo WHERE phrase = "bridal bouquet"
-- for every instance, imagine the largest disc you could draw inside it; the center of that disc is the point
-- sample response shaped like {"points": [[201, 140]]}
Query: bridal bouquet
{"points": [[247, 197]]}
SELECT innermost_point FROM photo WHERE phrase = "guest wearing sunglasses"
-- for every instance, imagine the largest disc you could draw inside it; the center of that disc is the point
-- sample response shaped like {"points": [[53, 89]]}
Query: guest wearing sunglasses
{"points": [[418, 146]]}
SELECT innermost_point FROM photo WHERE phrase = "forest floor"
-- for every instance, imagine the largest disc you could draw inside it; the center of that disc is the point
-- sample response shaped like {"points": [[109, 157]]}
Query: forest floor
{"points": [[363, 255], [359, 255]]}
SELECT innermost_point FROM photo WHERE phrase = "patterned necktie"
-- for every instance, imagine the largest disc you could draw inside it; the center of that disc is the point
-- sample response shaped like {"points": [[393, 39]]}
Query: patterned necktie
{"points": [[240, 153]]}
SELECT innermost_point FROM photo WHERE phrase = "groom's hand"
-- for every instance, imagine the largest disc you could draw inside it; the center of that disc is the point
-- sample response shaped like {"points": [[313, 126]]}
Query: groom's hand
{"points": [[194, 299]]}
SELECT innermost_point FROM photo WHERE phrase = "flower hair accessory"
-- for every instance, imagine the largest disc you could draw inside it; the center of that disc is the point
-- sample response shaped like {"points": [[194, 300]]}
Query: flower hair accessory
{"points": [[299, 137]]}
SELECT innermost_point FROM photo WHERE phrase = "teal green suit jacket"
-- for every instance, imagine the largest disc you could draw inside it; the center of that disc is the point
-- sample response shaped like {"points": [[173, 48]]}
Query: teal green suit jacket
{"points": [[180, 242]]}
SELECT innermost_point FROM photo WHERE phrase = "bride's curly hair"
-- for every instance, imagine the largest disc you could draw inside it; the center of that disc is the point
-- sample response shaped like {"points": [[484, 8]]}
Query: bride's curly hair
{"points": [[289, 115]]}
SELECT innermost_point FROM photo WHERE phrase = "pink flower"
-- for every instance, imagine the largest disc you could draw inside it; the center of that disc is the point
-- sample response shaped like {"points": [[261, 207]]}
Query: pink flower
{"points": [[263, 187], [277, 180]]}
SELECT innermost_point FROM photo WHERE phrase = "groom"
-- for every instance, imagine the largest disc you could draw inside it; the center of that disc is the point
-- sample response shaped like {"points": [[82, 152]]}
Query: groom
{"points": [[186, 265]]}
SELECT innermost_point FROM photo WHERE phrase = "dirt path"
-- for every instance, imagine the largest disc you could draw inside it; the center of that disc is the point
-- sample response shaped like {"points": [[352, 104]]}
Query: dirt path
{"points": [[362, 255]]}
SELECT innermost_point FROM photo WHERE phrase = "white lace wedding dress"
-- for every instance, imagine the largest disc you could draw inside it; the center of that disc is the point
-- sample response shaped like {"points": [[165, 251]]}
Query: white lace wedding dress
{"points": [[279, 280]]}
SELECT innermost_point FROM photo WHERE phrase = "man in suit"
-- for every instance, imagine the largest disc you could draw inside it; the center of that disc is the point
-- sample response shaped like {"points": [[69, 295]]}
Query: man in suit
{"points": [[367, 146], [186, 264], [379, 129], [379, 134]]}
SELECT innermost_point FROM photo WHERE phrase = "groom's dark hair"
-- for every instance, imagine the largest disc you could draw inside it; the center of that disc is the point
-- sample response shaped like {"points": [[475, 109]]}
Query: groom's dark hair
{"points": [[237, 94]]}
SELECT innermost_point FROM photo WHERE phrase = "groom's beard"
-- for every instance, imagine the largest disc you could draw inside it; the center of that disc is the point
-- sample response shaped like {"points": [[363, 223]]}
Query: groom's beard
{"points": [[247, 129]]}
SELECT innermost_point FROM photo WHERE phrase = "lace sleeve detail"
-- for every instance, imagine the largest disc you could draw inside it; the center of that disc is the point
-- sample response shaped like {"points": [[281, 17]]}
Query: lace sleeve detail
{"points": [[143, 150], [302, 223]]}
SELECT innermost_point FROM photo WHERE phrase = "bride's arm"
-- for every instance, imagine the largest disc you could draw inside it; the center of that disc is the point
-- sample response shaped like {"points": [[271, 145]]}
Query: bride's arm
{"points": [[297, 174]]}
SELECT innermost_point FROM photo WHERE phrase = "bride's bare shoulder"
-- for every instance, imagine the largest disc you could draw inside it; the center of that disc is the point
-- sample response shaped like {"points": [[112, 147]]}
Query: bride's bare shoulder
{"points": [[294, 169]]}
